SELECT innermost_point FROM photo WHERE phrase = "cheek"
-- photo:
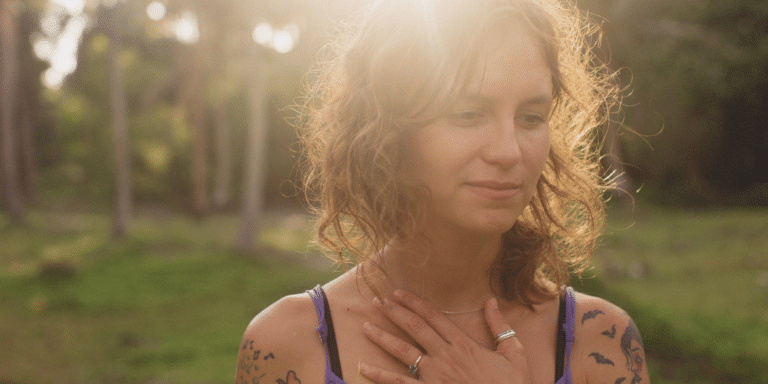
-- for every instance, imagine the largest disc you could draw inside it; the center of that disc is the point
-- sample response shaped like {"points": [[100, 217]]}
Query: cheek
{"points": [[536, 146], [422, 156], [434, 149]]}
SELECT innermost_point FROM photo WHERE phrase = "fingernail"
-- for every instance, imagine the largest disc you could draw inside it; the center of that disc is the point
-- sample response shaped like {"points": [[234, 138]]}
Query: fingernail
{"points": [[368, 326], [364, 368], [377, 302], [400, 294], [494, 303]]}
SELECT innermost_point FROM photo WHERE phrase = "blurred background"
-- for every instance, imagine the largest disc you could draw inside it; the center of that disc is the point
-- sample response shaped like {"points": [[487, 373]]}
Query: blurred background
{"points": [[148, 174]]}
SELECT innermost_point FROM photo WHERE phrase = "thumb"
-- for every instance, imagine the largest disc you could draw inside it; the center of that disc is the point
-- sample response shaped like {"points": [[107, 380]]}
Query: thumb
{"points": [[509, 347]]}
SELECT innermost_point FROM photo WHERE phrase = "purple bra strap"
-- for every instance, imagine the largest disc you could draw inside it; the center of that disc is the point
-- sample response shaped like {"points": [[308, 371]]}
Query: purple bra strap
{"points": [[318, 298], [570, 329]]}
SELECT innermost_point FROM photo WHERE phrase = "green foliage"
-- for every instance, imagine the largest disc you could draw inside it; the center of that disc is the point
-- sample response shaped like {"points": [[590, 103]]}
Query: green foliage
{"points": [[695, 77]]}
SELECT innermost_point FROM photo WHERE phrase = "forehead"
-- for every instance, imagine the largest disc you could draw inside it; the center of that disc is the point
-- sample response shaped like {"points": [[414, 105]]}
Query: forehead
{"points": [[511, 60]]}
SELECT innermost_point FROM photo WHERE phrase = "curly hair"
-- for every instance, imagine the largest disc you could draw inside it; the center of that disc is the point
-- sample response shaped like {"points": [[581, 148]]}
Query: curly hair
{"points": [[402, 67]]}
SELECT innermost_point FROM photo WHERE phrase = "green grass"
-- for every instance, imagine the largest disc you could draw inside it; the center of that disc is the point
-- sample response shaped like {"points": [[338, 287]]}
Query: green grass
{"points": [[169, 304], [696, 283]]}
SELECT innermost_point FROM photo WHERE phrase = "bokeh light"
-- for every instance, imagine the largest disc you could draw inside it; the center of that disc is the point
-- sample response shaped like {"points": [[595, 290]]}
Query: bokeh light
{"points": [[262, 34], [185, 28], [156, 10], [52, 79], [73, 7], [282, 41], [42, 47]]}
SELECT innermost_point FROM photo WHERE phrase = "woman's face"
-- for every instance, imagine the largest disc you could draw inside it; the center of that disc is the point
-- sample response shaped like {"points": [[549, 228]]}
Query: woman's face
{"points": [[482, 160]]}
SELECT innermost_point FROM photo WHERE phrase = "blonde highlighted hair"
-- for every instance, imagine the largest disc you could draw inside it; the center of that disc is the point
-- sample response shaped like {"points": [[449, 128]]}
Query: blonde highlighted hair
{"points": [[401, 68]]}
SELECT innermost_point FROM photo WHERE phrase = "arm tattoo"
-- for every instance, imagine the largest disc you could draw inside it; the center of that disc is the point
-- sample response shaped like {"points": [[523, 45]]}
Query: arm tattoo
{"points": [[600, 359], [632, 347], [611, 333], [247, 364], [620, 380], [591, 315], [290, 378], [254, 380]]}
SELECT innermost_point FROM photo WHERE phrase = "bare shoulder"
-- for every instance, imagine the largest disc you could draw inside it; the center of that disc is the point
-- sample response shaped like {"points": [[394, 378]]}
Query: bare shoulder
{"points": [[281, 344], [607, 347]]}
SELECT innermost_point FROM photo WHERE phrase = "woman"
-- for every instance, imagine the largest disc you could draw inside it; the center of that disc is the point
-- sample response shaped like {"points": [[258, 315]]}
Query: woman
{"points": [[449, 147]]}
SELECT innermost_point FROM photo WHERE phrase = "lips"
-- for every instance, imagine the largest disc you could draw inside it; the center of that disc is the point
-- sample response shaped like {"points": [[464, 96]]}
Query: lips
{"points": [[492, 184], [493, 189]]}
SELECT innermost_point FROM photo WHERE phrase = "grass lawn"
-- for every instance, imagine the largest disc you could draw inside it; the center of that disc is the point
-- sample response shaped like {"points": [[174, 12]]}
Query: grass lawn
{"points": [[696, 283], [170, 303]]}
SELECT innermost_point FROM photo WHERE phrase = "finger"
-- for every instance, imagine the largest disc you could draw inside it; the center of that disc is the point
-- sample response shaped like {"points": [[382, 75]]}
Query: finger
{"points": [[440, 323], [417, 327], [509, 347], [395, 346], [381, 376]]}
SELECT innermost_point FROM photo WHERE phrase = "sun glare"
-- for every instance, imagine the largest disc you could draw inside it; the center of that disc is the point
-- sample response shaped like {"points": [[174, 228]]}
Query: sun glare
{"points": [[62, 25]]}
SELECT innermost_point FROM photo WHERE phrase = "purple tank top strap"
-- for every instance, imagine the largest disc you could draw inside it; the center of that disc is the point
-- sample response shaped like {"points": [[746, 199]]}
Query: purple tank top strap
{"points": [[318, 298], [570, 329]]}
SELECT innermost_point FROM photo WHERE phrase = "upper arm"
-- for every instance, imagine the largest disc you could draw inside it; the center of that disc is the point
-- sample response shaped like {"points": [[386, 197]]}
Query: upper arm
{"points": [[608, 347], [281, 344]]}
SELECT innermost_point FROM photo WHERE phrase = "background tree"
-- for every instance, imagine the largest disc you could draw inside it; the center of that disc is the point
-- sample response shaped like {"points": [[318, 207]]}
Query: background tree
{"points": [[255, 159], [122, 161], [9, 127], [697, 86], [693, 70]]}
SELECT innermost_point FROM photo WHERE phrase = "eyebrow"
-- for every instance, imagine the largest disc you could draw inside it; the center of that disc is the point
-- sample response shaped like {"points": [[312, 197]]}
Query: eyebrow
{"points": [[536, 100], [539, 100]]}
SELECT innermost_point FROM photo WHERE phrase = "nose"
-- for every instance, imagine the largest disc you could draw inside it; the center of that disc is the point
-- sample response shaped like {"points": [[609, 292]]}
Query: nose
{"points": [[502, 145]]}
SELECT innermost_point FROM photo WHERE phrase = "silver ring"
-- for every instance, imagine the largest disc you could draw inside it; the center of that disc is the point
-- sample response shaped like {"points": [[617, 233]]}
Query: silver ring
{"points": [[414, 368], [505, 335]]}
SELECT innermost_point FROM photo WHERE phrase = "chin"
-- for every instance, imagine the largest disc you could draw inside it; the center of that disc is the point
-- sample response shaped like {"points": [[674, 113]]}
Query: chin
{"points": [[493, 227]]}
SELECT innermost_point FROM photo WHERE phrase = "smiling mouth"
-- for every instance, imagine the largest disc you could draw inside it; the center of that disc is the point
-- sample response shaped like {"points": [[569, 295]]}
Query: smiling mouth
{"points": [[497, 185]]}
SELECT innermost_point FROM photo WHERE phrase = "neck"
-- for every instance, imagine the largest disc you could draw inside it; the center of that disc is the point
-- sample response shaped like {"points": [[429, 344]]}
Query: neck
{"points": [[451, 272]]}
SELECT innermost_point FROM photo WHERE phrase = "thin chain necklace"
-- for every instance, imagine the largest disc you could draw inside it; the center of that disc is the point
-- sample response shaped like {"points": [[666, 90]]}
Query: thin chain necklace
{"points": [[463, 312], [450, 313]]}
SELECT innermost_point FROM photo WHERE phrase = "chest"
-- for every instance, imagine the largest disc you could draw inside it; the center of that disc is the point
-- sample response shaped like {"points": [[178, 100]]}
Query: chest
{"points": [[537, 334]]}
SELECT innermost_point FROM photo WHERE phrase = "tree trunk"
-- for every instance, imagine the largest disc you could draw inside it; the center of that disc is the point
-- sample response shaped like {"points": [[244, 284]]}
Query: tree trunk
{"points": [[255, 158], [29, 110], [8, 100], [196, 109], [29, 160], [199, 142], [123, 199], [223, 174]]}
